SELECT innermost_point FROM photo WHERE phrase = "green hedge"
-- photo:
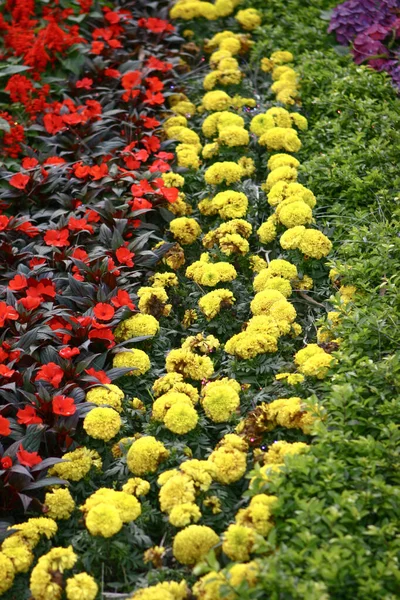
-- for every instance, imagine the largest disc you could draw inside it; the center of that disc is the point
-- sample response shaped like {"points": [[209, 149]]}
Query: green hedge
{"points": [[337, 524]]}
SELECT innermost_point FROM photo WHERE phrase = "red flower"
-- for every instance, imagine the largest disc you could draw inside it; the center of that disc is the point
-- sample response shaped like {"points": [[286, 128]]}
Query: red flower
{"points": [[105, 335], [28, 459], [81, 170], [6, 372], [57, 237], [98, 172], [27, 228], [30, 303], [35, 262], [54, 160], [154, 84], [152, 99], [28, 416], [19, 181], [156, 25], [104, 312], [97, 47], [150, 123], [80, 254], [53, 123], [79, 225], [122, 299], [7, 312], [112, 73], [4, 426], [6, 462], [140, 204], [170, 194], [29, 163], [84, 83], [158, 65], [100, 375], [124, 256], [18, 283], [63, 405], [68, 352], [4, 221], [131, 79], [51, 373]]}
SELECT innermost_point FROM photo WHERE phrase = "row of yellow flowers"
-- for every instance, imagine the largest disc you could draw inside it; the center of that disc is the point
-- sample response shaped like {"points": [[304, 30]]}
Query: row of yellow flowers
{"points": [[190, 392]]}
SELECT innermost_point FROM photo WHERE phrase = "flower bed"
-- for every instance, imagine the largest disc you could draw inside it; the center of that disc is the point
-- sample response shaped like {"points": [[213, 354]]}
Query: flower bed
{"points": [[219, 372]]}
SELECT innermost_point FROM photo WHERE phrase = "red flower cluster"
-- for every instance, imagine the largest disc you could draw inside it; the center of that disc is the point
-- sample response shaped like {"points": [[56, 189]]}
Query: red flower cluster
{"points": [[86, 188]]}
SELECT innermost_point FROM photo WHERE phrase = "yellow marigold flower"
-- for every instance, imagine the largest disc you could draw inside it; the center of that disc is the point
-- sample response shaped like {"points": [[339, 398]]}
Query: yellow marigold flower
{"points": [[136, 486], [177, 489], [210, 80], [7, 573], [248, 344], [224, 8], [162, 405], [223, 172], [76, 464], [192, 543], [81, 587], [238, 542], [263, 301], [281, 138], [280, 57], [317, 365], [347, 293], [282, 160], [189, 317], [154, 555], [134, 358], [102, 423], [229, 462], [153, 301], [291, 378], [109, 394], [173, 179], [216, 100], [32, 529], [233, 243], [291, 239], [209, 151], [247, 165], [214, 301], [181, 418], [189, 364], [290, 413], [295, 213], [232, 45], [185, 230], [315, 244], [257, 264], [278, 267], [258, 514], [183, 135], [174, 257], [103, 520], [283, 190], [183, 515], [59, 503], [263, 324], [249, 18], [214, 503], [217, 56], [174, 122], [267, 232], [201, 343], [228, 64], [266, 65], [261, 123], [127, 505], [137, 404], [208, 587], [234, 136], [284, 173], [187, 109], [187, 157], [43, 585], [278, 450], [145, 455], [280, 115], [167, 590], [300, 121], [231, 204], [166, 383], [136, 326], [18, 550], [200, 471], [220, 402]]}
